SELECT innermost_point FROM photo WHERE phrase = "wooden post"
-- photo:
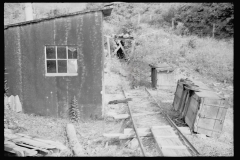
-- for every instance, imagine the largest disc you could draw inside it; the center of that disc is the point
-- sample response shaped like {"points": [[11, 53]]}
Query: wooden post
{"points": [[213, 30], [154, 77], [108, 45]]}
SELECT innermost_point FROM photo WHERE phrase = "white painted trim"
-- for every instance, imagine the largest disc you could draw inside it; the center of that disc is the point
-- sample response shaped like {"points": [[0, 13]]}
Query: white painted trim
{"points": [[60, 74], [45, 59], [56, 59]]}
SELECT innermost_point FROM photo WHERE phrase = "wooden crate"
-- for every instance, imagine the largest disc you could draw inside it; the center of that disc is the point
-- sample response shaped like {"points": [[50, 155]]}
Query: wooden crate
{"points": [[181, 98], [165, 77], [162, 75], [205, 113]]}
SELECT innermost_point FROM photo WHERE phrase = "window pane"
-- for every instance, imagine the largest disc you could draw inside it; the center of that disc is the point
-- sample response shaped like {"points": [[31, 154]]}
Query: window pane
{"points": [[72, 52], [61, 52], [72, 66], [62, 66], [50, 51], [51, 66]]}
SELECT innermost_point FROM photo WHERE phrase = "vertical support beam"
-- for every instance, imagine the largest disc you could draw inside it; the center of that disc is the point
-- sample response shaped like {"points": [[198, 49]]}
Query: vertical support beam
{"points": [[154, 77], [108, 45]]}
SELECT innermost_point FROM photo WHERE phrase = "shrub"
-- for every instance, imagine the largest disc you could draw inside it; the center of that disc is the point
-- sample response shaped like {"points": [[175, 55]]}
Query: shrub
{"points": [[74, 111]]}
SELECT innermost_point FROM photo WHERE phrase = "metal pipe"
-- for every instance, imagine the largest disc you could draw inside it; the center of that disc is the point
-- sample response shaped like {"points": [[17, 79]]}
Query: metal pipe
{"points": [[173, 124], [134, 127]]}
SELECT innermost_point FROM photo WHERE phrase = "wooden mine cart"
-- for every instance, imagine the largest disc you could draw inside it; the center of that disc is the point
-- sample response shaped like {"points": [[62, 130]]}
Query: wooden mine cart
{"points": [[162, 75], [205, 113], [203, 110]]}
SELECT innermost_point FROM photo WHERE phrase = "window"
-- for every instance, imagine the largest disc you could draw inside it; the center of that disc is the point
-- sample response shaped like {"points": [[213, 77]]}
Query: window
{"points": [[61, 60]]}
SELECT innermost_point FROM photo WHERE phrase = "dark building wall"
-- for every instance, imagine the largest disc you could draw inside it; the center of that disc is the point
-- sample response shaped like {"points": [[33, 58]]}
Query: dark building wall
{"points": [[25, 63]]}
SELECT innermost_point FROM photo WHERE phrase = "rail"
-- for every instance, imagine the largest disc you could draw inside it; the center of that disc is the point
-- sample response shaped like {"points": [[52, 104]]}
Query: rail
{"points": [[134, 127], [174, 125]]}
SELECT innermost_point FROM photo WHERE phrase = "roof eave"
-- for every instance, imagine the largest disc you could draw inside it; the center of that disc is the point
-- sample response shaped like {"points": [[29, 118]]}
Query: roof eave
{"points": [[106, 12]]}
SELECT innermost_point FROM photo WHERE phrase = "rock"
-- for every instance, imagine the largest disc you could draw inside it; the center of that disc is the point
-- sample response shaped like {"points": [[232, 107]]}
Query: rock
{"points": [[133, 144]]}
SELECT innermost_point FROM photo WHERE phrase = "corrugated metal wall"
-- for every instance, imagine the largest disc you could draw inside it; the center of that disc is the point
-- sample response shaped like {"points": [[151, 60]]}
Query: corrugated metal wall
{"points": [[25, 63]]}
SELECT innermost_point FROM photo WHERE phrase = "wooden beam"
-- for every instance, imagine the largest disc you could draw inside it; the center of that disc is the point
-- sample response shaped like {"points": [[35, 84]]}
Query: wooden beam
{"points": [[125, 116], [108, 45], [19, 151], [73, 141], [120, 101]]}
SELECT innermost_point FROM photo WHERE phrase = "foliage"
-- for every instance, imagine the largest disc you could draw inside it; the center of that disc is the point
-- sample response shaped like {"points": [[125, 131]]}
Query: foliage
{"points": [[74, 111], [200, 17], [13, 13], [207, 56]]}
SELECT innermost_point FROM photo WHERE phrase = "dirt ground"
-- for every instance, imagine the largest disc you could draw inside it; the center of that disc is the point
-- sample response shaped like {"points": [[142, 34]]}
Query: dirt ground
{"points": [[90, 133]]}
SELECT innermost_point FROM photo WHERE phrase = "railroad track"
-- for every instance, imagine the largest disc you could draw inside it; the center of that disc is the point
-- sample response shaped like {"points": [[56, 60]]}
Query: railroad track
{"points": [[170, 141]]}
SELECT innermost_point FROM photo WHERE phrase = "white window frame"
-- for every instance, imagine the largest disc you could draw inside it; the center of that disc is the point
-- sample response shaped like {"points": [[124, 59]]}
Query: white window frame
{"points": [[56, 59]]}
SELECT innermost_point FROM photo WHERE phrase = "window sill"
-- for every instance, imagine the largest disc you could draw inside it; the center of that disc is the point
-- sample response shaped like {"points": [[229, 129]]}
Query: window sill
{"points": [[60, 74]]}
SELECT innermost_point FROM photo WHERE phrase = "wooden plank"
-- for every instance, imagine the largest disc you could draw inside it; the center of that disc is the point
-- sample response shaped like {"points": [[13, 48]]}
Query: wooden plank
{"points": [[19, 139], [140, 130], [120, 101], [144, 114], [20, 151], [166, 126], [129, 136], [125, 116], [33, 148], [112, 135], [164, 142], [168, 152], [174, 147], [121, 116], [163, 131], [58, 145]]}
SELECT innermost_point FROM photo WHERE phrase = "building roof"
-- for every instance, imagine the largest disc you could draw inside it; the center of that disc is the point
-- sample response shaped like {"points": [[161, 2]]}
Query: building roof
{"points": [[106, 12]]}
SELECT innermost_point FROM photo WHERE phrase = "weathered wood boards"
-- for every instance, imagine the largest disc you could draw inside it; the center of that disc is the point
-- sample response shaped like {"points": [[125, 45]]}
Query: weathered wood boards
{"points": [[203, 110], [168, 142], [14, 103], [25, 145], [125, 116], [129, 133], [120, 101]]}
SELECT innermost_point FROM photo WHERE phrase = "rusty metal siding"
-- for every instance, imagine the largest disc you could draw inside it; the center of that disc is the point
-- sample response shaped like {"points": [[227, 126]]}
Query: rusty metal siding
{"points": [[12, 60], [38, 90], [25, 62]]}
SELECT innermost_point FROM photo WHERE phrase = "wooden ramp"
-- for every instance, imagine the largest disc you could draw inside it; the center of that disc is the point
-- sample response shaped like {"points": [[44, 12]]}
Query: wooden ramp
{"points": [[168, 142]]}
